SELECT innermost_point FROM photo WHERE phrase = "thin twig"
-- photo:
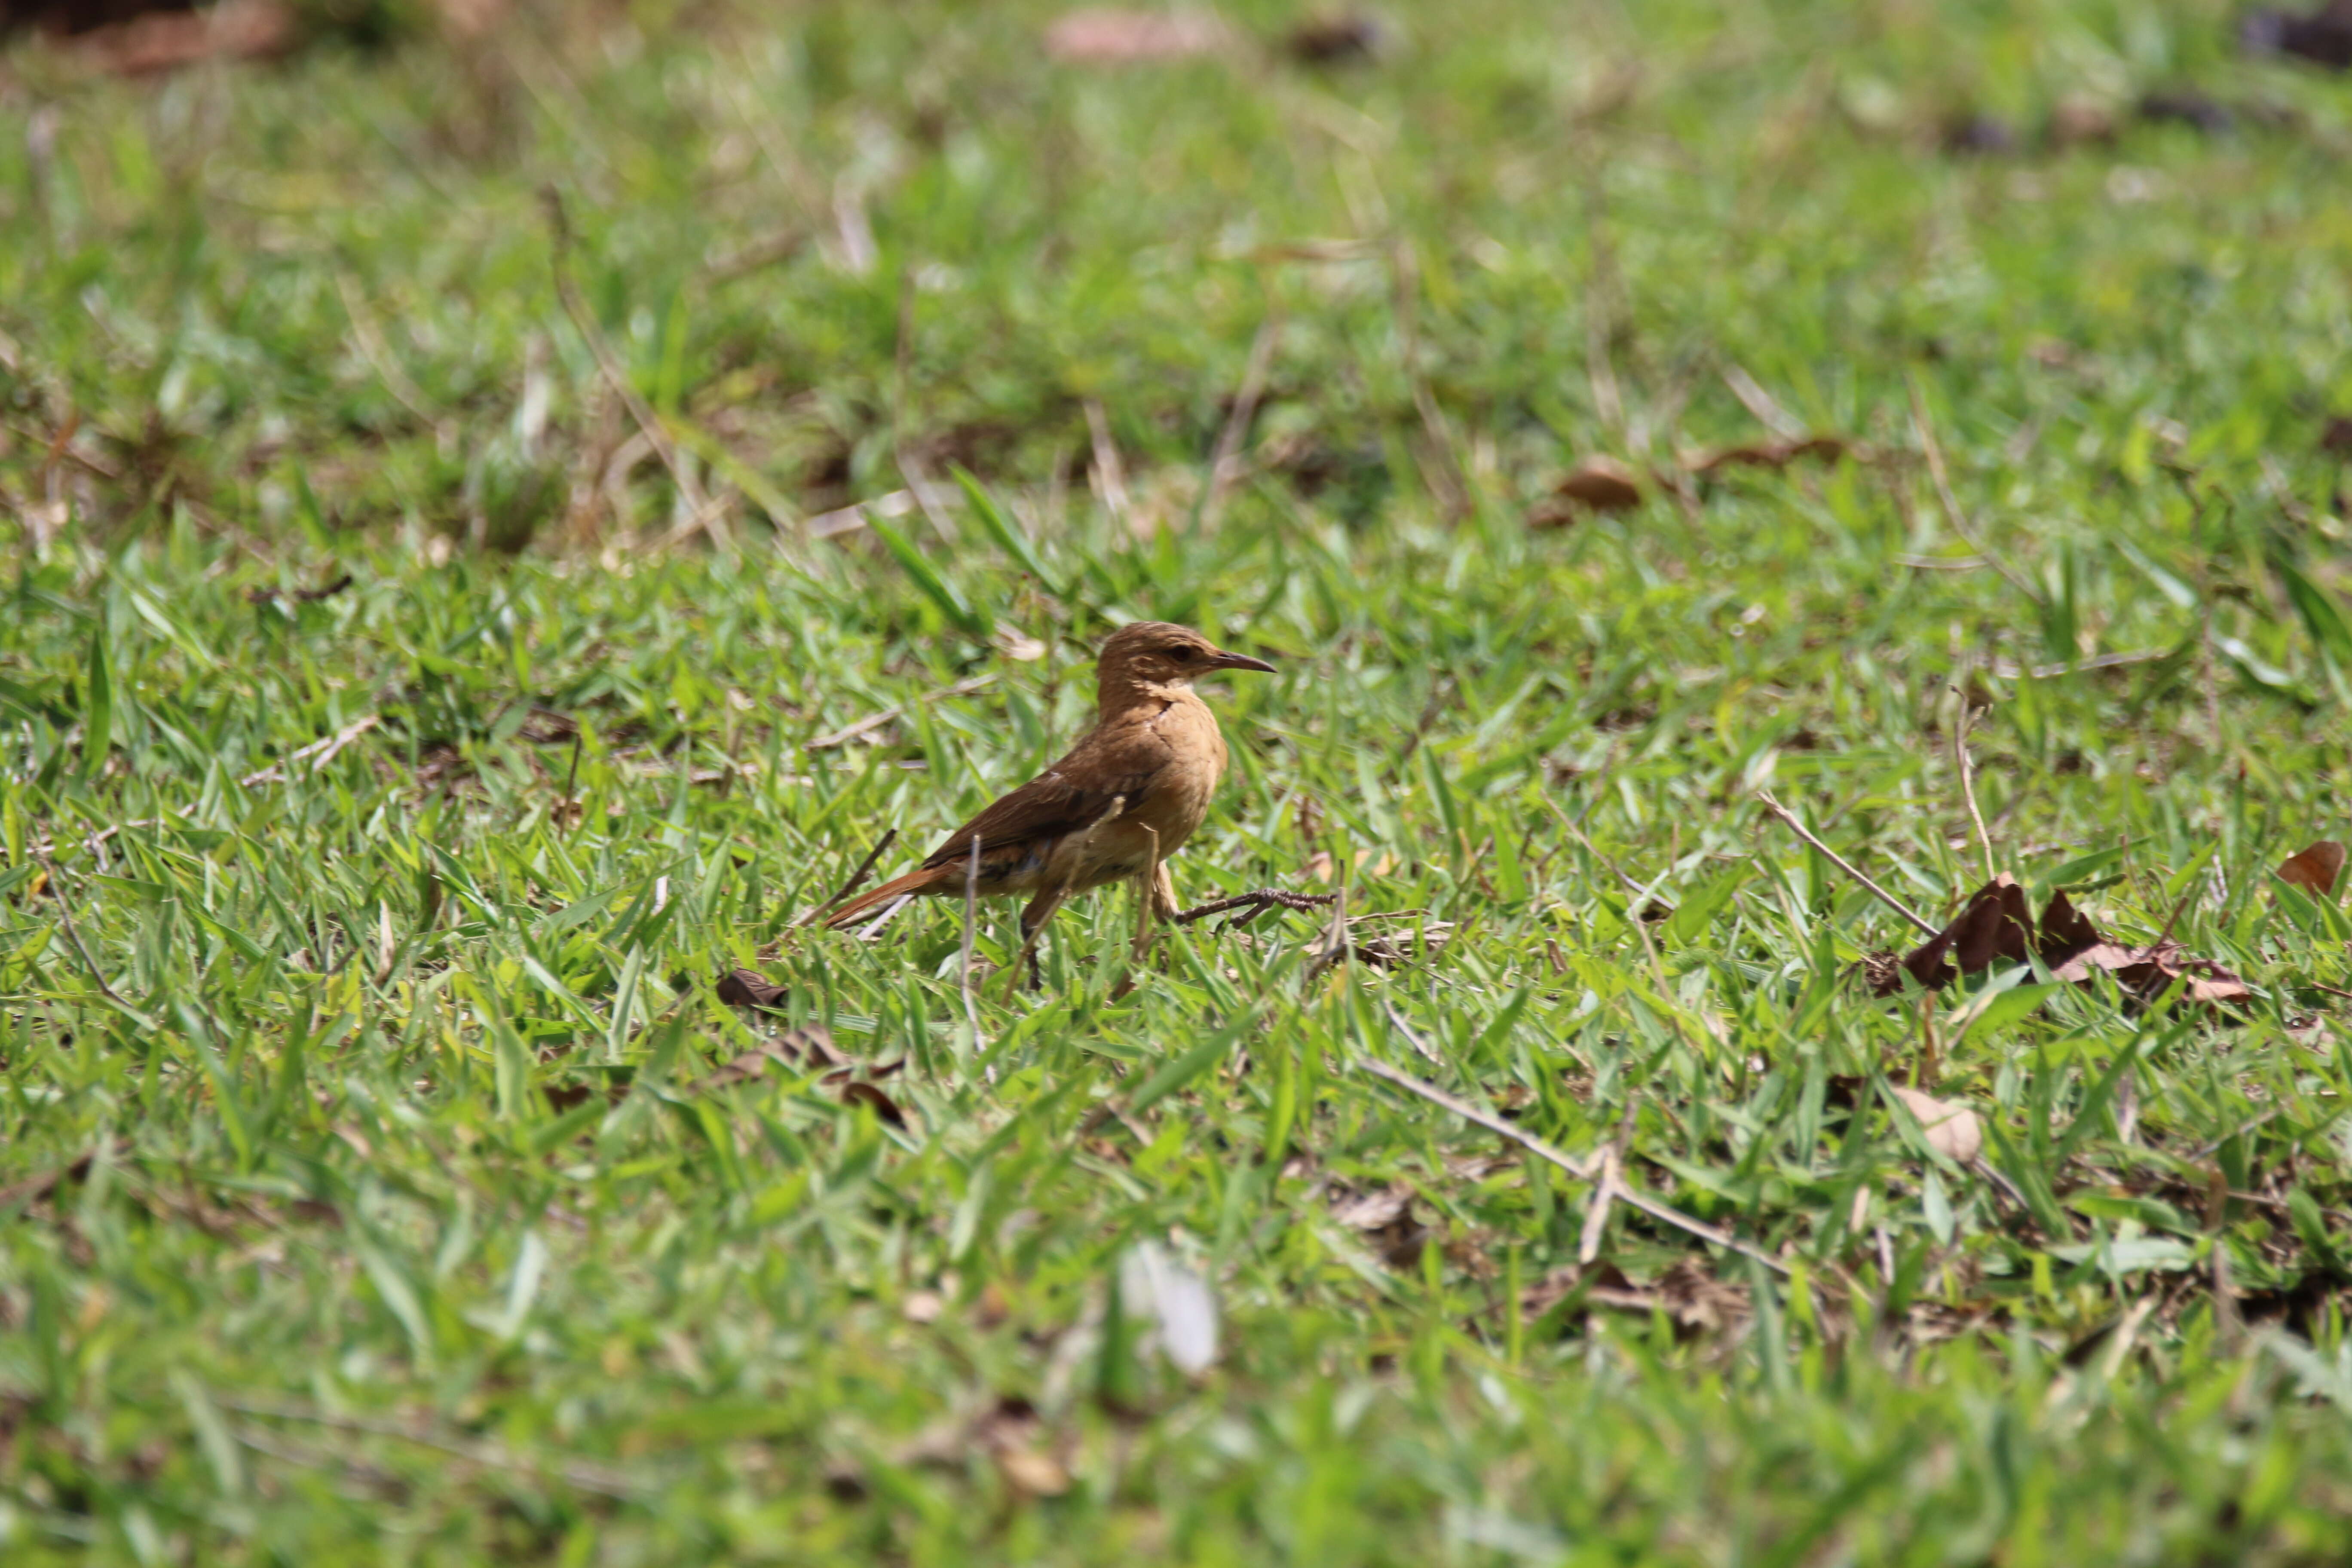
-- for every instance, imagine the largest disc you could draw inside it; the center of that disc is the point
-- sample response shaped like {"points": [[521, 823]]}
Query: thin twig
{"points": [[910, 465], [1396, 1021], [324, 749], [65, 914], [856, 877], [582, 1475], [2169, 921], [1967, 777], [1590, 848], [1334, 945], [571, 776], [746, 259], [373, 349], [1110, 474], [1763, 404], [874, 721], [1950, 502], [1262, 900], [1843, 864], [1582, 1170], [1224, 465], [567, 293], [2082, 665]]}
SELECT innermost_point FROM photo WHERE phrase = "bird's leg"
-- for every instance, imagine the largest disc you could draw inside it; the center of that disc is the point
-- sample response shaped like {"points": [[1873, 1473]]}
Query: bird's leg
{"points": [[1256, 903], [1163, 893], [1148, 895], [1033, 917]]}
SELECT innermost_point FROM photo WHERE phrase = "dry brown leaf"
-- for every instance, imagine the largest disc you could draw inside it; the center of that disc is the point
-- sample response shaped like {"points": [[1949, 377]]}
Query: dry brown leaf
{"points": [[2314, 870], [2079, 120], [563, 1097], [1375, 1209], [859, 1092], [1688, 1293], [1767, 454], [270, 596], [811, 1047], [1601, 484], [1995, 926], [167, 40], [2324, 37], [749, 988], [1033, 1472], [1950, 1128], [1105, 36], [1696, 1299], [1321, 868], [1330, 40], [1385, 1216]]}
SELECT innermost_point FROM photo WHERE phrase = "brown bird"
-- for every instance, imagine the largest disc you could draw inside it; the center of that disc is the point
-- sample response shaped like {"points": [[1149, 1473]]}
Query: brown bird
{"points": [[1125, 798]]}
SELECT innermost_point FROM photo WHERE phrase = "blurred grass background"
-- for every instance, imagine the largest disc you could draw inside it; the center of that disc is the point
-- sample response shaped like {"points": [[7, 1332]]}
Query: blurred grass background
{"points": [[370, 1193]]}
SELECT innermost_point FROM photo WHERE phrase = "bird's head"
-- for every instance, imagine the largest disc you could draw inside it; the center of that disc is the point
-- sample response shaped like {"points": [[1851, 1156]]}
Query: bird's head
{"points": [[1153, 653]]}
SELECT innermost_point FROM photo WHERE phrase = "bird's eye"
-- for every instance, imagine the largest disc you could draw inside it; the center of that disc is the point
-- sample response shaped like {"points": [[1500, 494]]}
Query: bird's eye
{"points": [[1184, 654]]}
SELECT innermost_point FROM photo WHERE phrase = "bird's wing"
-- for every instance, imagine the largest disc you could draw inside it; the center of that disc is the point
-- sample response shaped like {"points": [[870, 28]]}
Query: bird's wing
{"points": [[1072, 795]]}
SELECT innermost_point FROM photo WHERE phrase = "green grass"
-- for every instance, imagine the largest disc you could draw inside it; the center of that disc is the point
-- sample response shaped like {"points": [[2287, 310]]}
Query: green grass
{"points": [[367, 1191]]}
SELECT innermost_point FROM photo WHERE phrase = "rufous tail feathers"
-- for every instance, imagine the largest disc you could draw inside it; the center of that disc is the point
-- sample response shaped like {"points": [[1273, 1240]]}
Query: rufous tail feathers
{"points": [[924, 879]]}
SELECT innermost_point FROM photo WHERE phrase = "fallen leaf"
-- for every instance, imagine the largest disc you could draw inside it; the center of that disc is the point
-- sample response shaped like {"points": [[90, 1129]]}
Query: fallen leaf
{"points": [[166, 40], [1995, 926], [1385, 1216], [2082, 121], [1696, 1297], [2314, 870], [1393, 951], [563, 1097], [2323, 38], [1688, 1293], [1595, 484], [923, 1307], [1978, 134], [811, 1047], [1032, 1471], [267, 596], [1111, 37], [32, 1189], [1767, 454], [1341, 40], [750, 988], [2191, 109], [1375, 1209], [859, 1092], [1951, 1129], [1010, 1432]]}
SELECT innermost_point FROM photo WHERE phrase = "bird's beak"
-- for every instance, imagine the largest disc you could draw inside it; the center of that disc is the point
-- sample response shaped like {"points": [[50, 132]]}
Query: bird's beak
{"points": [[1221, 660]]}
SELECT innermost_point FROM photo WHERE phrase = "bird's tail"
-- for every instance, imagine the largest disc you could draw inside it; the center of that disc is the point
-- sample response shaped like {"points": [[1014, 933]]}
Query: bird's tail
{"points": [[923, 879]]}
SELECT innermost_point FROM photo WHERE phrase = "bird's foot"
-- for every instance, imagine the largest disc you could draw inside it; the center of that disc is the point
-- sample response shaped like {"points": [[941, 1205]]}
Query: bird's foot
{"points": [[1256, 903]]}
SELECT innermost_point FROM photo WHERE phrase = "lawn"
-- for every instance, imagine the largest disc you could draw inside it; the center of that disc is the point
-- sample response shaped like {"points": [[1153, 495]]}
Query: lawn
{"points": [[502, 526]]}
